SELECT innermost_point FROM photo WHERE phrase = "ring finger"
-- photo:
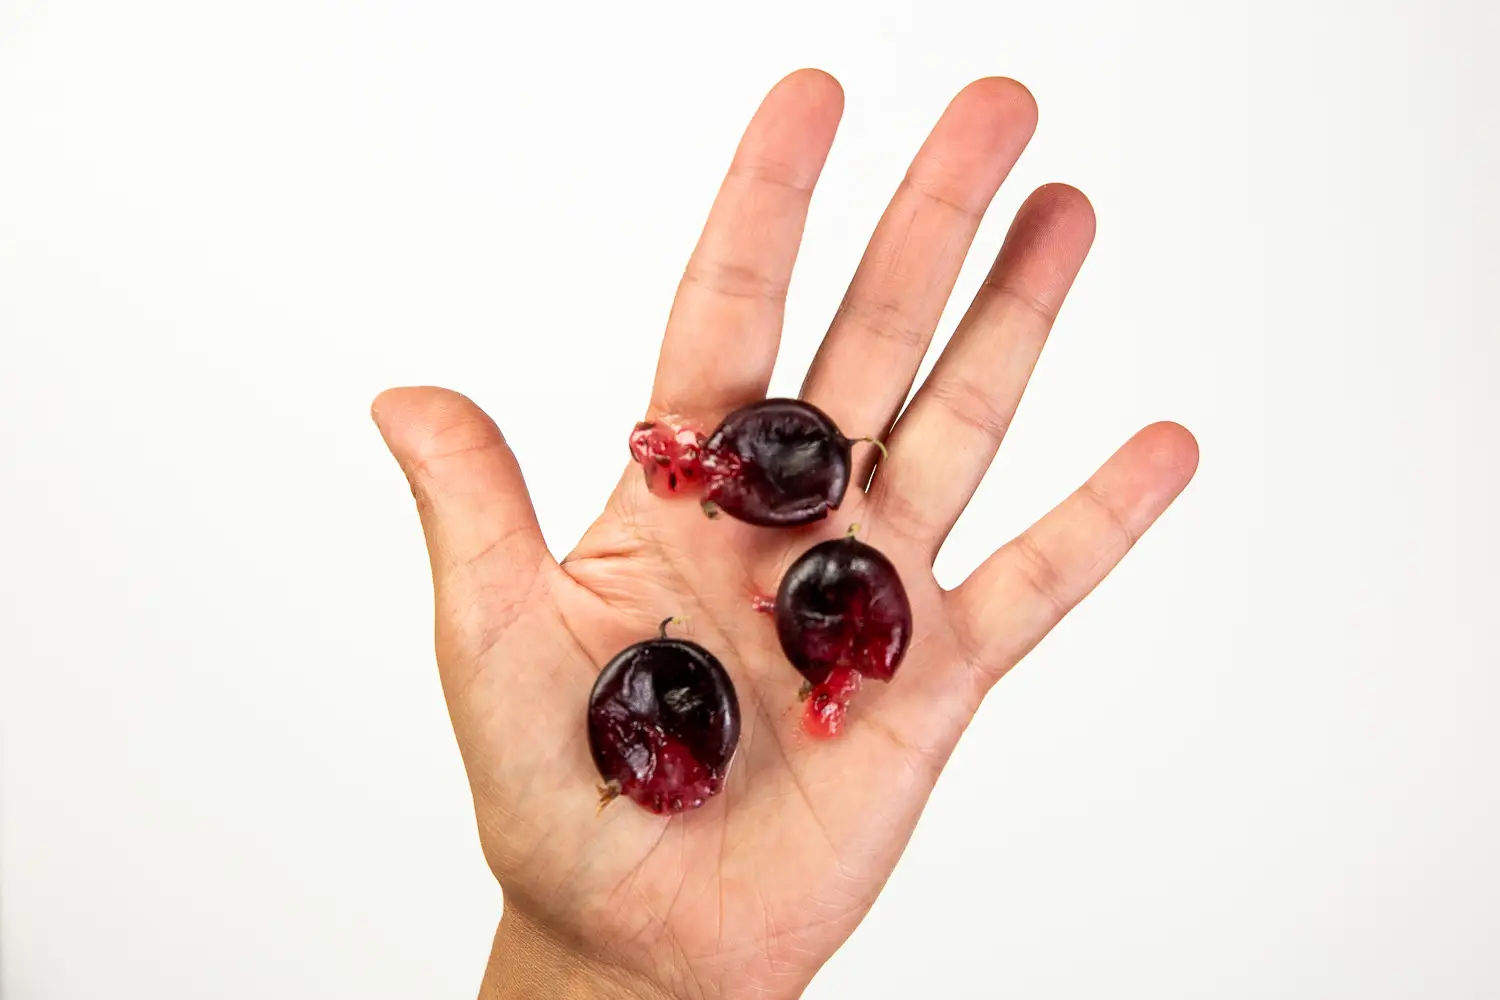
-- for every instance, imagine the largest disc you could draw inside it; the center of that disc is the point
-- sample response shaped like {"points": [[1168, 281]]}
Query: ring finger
{"points": [[945, 441]]}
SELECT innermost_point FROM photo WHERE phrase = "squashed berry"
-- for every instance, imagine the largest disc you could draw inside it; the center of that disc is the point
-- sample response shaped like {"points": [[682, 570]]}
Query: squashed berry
{"points": [[841, 609], [663, 724]]}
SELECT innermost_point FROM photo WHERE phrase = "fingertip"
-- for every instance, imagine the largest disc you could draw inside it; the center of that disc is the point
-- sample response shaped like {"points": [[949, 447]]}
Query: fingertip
{"points": [[978, 137], [1065, 204], [798, 116], [385, 403], [818, 87], [1006, 93], [470, 494], [1171, 448], [1055, 223], [420, 399], [390, 408], [409, 417]]}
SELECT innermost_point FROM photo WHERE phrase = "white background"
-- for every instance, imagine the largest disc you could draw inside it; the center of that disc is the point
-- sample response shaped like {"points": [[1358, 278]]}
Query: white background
{"points": [[1260, 761]]}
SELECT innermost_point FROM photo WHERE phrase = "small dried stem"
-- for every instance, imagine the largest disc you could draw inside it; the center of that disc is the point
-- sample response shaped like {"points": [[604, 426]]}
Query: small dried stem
{"points": [[608, 792], [884, 452]]}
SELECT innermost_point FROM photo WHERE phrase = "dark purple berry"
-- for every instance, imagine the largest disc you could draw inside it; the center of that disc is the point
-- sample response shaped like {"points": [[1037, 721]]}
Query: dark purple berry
{"points": [[663, 724], [777, 463], [842, 607]]}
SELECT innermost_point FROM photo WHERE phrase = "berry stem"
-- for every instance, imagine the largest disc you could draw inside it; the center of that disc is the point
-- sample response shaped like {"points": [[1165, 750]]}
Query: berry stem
{"points": [[879, 444], [661, 630], [608, 792]]}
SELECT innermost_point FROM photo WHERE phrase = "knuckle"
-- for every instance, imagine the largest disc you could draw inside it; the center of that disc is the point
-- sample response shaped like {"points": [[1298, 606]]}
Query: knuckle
{"points": [[1109, 516], [972, 405], [1008, 291], [885, 319], [738, 281], [935, 192], [1040, 574], [898, 511], [774, 174]]}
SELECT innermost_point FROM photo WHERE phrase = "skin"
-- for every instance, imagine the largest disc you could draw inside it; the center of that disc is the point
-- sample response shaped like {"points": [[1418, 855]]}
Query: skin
{"points": [[749, 896]]}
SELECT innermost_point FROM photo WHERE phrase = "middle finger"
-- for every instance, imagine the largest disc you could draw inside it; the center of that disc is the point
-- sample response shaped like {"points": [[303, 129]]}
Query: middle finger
{"points": [[869, 358]]}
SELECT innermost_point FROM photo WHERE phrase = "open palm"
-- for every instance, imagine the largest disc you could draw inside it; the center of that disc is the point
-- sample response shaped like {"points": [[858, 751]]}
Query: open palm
{"points": [[749, 895]]}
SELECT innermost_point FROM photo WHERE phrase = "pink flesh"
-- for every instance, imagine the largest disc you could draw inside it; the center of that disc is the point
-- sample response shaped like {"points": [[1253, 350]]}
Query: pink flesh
{"points": [[829, 702], [871, 638], [669, 455], [679, 776], [677, 782]]}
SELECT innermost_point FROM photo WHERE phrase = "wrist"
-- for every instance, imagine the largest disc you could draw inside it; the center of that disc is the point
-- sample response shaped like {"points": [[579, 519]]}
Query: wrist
{"points": [[528, 962]]}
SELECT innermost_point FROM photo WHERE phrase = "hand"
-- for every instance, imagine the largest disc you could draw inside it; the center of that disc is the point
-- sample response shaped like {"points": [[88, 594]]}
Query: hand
{"points": [[749, 895]]}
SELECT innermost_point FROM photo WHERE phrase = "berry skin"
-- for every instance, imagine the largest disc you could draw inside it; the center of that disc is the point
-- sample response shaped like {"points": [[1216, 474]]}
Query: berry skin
{"points": [[841, 610], [663, 725], [775, 463], [670, 456]]}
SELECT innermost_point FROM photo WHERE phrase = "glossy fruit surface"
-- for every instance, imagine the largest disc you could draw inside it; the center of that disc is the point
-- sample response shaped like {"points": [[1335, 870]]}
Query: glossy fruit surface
{"points": [[663, 724], [776, 463], [842, 604]]}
